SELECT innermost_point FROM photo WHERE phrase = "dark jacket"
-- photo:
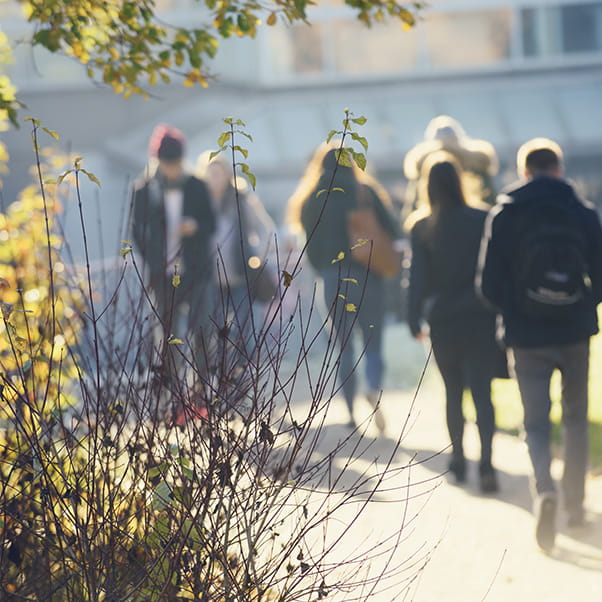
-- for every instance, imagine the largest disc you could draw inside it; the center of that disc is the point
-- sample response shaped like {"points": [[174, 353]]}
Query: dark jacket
{"points": [[445, 249], [494, 277], [327, 213], [149, 223]]}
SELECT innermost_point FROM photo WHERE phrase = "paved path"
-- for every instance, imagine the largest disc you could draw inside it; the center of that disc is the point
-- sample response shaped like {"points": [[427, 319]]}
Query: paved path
{"points": [[480, 547]]}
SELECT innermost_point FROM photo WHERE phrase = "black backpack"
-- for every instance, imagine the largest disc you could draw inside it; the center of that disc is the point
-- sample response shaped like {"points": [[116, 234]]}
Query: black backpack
{"points": [[550, 270]]}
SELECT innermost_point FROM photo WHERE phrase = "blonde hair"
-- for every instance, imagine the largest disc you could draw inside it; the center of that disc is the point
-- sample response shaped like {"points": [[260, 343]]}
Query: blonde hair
{"points": [[323, 159]]}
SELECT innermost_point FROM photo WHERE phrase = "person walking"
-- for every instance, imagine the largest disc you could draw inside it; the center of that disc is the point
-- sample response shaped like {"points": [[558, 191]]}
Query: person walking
{"points": [[445, 247], [241, 251], [172, 226], [353, 293], [477, 159], [541, 268]]}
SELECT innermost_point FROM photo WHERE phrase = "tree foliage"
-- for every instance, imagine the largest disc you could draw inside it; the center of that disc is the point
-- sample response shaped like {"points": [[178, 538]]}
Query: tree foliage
{"points": [[126, 45]]}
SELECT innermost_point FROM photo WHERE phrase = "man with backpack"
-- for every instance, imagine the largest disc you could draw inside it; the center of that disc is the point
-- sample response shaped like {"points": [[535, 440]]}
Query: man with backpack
{"points": [[540, 265]]}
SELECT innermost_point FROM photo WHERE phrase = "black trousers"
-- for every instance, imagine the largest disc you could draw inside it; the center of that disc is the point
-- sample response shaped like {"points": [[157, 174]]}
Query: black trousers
{"points": [[463, 355]]}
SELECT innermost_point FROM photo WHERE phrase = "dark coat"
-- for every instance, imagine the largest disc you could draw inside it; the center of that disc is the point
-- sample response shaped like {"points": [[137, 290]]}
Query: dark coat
{"points": [[149, 229], [494, 277], [445, 250], [444, 258], [327, 213]]}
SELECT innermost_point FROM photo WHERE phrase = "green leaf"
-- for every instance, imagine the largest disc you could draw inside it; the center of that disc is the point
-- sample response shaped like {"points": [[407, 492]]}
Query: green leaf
{"points": [[213, 154], [343, 157], [360, 159], [250, 176], [331, 134], [157, 470], [91, 177], [63, 176], [360, 139], [359, 120], [224, 138], [51, 133], [242, 150]]}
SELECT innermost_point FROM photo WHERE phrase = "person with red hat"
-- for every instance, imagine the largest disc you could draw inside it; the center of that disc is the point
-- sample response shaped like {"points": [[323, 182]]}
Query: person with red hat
{"points": [[172, 226]]}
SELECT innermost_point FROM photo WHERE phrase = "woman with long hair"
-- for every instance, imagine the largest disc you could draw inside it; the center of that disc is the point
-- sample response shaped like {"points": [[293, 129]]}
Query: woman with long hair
{"points": [[354, 295], [445, 236]]}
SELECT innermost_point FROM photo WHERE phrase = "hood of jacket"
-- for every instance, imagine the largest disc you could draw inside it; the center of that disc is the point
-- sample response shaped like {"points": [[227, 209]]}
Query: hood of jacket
{"points": [[541, 187]]}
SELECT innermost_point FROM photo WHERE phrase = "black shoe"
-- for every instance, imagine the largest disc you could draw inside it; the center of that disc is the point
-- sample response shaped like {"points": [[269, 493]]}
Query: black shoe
{"points": [[458, 469], [545, 514], [488, 479]]}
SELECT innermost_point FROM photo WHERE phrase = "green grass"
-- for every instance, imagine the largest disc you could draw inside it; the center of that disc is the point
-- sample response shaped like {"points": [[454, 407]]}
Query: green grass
{"points": [[509, 411]]}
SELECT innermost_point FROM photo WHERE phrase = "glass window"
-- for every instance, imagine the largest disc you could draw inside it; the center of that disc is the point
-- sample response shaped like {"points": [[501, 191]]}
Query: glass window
{"points": [[307, 48], [382, 48], [529, 32], [581, 24], [468, 39]]}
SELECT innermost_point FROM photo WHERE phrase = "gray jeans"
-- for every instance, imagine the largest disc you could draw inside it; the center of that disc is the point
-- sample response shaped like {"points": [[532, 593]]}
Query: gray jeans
{"points": [[533, 370]]}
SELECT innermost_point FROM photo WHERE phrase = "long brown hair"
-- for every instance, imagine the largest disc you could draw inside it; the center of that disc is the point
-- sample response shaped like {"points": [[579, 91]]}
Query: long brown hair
{"points": [[317, 177], [440, 187], [442, 177]]}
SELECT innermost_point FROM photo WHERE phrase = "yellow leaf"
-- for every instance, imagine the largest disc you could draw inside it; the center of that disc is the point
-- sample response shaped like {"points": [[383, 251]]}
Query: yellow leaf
{"points": [[339, 257], [360, 243], [353, 280], [350, 307], [287, 278], [173, 341], [175, 281], [271, 20]]}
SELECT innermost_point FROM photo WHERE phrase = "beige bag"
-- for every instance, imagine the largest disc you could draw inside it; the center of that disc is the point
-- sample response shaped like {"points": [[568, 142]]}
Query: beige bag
{"points": [[371, 244]]}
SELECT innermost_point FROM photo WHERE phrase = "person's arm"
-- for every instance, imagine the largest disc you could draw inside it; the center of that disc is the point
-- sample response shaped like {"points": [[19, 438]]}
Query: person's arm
{"points": [[139, 219], [492, 276], [418, 282], [595, 258]]}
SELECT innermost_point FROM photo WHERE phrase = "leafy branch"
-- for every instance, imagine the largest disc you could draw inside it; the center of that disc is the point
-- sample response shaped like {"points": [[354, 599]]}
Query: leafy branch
{"points": [[226, 141], [346, 154]]}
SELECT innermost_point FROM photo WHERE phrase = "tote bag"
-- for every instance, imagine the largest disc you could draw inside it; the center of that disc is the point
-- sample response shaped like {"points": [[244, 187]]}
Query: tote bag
{"points": [[371, 244]]}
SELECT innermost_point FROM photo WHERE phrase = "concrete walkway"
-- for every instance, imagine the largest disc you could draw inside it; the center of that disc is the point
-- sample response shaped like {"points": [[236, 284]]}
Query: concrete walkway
{"points": [[479, 547]]}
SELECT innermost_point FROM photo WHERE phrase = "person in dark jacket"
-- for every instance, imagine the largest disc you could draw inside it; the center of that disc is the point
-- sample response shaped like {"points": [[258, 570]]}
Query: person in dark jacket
{"points": [[555, 336], [445, 248], [319, 207], [172, 226]]}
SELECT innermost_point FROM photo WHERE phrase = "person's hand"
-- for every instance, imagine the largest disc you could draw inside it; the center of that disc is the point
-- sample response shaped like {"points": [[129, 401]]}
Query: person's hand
{"points": [[188, 227]]}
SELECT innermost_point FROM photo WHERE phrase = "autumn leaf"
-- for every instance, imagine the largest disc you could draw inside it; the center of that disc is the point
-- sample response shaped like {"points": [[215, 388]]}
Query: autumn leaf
{"points": [[287, 278]]}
